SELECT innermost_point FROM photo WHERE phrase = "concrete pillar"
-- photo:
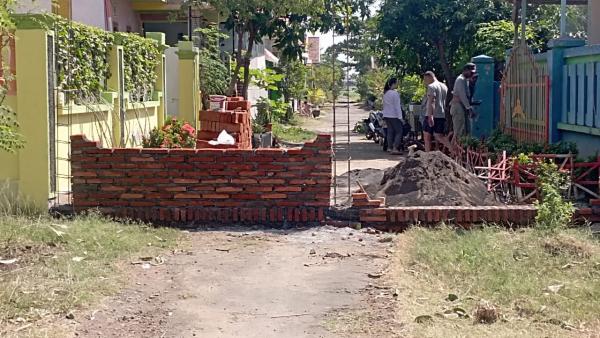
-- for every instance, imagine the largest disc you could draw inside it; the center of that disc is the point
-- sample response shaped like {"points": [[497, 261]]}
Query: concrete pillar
{"points": [[556, 62], [116, 83], [593, 22], [34, 112], [160, 87], [189, 83], [484, 124]]}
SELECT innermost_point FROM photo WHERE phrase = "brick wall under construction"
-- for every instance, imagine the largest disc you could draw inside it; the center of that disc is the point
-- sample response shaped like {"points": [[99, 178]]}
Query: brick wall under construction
{"points": [[263, 186], [235, 120]]}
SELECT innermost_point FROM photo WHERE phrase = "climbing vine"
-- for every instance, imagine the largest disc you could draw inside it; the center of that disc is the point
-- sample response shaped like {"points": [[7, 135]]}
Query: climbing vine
{"points": [[140, 58], [82, 58]]}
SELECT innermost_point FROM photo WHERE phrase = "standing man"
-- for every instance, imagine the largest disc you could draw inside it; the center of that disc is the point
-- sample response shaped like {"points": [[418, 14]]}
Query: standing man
{"points": [[460, 107], [435, 115]]}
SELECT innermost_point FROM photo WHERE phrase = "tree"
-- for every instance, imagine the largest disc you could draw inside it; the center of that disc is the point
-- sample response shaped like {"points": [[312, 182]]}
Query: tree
{"points": [[434, 34], [286, 22], [294, 84], [10, 139], [326, 77], [214, 74], [495, 37]]}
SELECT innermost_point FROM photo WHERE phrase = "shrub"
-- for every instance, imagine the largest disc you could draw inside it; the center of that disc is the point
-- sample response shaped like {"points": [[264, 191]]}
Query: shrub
{"points": [[174, 134], [140, 58], [554, 212]]}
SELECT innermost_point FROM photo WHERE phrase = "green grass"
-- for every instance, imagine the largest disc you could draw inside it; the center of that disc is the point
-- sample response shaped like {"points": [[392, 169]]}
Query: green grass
{"points": [[64, 265], [293, 134], [512, 270]]}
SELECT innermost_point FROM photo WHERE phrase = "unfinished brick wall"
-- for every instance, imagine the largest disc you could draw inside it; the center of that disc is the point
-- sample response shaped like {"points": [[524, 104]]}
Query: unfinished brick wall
{"points": [[235, 120], [372, 212], [204, 185]]}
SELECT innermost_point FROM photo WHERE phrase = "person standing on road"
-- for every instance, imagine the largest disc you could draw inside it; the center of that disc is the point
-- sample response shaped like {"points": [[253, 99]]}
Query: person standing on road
{"points": [[460, 107], [434, 124], [392, 114]]}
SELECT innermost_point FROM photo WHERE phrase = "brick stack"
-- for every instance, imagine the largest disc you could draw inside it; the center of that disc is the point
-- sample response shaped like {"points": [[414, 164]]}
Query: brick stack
{"points": [[235, 120], [191, 186]]}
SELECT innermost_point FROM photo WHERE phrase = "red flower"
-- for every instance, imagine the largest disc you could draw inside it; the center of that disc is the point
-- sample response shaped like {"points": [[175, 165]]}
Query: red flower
{"points": [[189, 129]]}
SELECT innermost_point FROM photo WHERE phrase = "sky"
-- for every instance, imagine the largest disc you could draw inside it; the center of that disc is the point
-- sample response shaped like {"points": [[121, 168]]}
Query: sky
{"points": [[327, 39]]}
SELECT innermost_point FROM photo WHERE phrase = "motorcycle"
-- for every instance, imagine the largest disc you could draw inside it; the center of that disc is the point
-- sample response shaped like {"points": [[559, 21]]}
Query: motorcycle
{"points": [[372, 126]]}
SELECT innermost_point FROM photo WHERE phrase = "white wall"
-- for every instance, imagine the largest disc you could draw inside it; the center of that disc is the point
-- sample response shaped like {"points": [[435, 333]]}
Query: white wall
{"points": [[89, 12], [33, 6], [124, 16], [172, 69]]}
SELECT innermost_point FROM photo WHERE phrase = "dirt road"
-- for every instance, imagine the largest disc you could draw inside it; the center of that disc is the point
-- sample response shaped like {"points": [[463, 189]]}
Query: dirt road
{"points": [[321, 282], [301, 283]]}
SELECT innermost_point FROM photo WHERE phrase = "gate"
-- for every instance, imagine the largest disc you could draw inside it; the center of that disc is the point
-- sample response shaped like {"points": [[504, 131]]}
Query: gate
{"points": [[525, 93]]}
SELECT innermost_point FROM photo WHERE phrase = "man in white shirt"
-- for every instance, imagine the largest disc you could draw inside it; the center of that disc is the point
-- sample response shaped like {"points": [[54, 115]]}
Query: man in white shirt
{"points": [[392, 114]]}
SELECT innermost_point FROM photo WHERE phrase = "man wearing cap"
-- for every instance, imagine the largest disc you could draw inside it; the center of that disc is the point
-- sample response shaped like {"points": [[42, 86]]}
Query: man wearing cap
{"points": [[460, 107]]}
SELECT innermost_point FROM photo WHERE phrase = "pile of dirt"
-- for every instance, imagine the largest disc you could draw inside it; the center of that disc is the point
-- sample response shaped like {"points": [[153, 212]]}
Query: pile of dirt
{"points": [[424, 179]]}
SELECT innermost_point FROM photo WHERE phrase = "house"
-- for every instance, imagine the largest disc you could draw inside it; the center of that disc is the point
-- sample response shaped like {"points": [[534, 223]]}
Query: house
{"points": [[141, 16]]}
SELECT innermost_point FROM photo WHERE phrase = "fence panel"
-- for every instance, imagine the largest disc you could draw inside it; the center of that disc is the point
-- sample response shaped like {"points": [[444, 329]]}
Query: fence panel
{"points": [[581, 105]]}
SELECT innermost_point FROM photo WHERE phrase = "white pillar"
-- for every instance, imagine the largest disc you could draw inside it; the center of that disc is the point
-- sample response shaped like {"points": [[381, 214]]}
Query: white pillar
{"points": [[593, 22]]}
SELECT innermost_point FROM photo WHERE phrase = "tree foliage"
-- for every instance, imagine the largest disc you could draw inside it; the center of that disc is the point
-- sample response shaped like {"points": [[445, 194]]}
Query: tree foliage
{"points": [[433, 35], [496, 37], [214, 73], [295, 81], [286, 22], [10, 139]]}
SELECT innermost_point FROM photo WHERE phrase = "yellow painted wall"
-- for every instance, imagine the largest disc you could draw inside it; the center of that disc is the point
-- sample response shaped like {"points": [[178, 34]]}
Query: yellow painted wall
{"points": [[28, 171], [189, 86], [140, 119], [32, 113]]}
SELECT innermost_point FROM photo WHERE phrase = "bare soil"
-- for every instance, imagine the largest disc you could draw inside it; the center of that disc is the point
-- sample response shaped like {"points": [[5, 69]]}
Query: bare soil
{"points": [[307, 283], [432, 178]]}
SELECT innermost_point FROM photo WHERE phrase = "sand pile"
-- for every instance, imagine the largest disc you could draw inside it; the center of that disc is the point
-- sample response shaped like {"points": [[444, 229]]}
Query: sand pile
{"points": [[426, 179]]}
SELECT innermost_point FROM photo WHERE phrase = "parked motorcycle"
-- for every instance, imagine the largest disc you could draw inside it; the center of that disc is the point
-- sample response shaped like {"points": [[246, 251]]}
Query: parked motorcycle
{"points": [[372, 127]]}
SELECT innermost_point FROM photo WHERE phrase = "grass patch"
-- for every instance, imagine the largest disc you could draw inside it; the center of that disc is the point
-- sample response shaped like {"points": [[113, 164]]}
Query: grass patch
{"points": [[292, 134], [63, 265], [541, 284]]}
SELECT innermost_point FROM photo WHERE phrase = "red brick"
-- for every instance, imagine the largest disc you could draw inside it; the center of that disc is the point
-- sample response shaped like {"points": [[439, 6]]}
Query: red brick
{"points": [[131, 196], [95, 165], [230, 189], [258, 188], [84, 174], [142, 204], [185, 181], [288, 189], [215, 181], [173, 158], [303, 182], [216, 196], [273, 196], [188, 196], [271, 181], [141, 159]]}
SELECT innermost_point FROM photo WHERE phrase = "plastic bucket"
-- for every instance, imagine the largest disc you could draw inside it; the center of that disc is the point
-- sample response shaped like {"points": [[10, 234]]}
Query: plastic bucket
{"points": [[217, 102]]}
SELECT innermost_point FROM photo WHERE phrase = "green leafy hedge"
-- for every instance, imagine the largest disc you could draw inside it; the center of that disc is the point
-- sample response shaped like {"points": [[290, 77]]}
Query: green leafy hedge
{"points": [[82, 51], [82, 57], [140, 56]]}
